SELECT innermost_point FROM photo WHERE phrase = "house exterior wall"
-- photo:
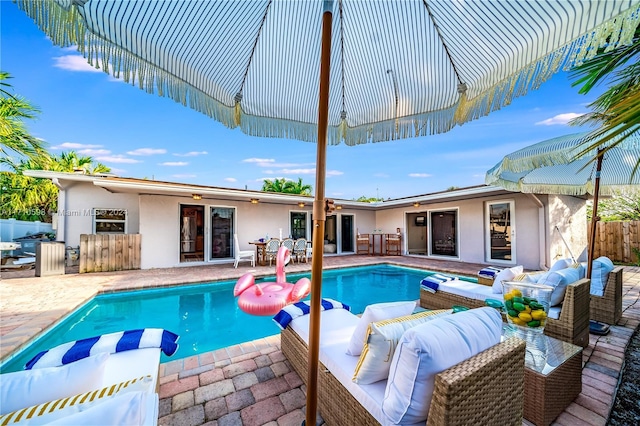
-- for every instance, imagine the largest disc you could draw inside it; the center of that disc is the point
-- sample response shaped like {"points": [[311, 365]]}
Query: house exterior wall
{"points": [[160, 225], [570, 215], [81, 198], [471, 227]]}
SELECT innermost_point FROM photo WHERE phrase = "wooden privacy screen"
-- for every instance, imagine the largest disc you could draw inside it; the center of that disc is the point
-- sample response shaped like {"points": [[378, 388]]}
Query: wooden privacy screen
{"points": [[109, 252], [616, 240]]}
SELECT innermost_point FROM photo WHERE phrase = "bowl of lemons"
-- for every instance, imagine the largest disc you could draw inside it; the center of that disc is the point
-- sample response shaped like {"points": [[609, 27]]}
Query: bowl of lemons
{"points": [[526, 305]]}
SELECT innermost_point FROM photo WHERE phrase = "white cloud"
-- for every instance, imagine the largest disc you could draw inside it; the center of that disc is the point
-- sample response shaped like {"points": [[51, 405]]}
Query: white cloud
{"points": [[298, 171], [334, 173], [559, 119], [192, 154], [258, 160], [94, 152], [117, 159], [116, 171], [174, 163], [382, 175], [230, 179], [184, 175], [420, 175], [74, 63], [147, 151], [73, 145]]}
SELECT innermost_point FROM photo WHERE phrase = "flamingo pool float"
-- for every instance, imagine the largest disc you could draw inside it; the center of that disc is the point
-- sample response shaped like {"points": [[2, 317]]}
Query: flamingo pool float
{"points": [[270, 297]]}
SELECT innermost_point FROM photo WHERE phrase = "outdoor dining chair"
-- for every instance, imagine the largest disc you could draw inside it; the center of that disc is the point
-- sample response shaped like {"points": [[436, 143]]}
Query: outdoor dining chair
{"points": [[300, 250], [271, 249]]}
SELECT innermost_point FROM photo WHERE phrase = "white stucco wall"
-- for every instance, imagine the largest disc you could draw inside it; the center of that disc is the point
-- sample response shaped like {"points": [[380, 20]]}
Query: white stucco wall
{"points": [[570, 215], [80, 198], [471, 228]]}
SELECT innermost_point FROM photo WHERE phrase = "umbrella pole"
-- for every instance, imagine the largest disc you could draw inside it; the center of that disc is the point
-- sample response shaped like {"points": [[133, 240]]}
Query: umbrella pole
{"points": [[319, 219], [594, 215]]}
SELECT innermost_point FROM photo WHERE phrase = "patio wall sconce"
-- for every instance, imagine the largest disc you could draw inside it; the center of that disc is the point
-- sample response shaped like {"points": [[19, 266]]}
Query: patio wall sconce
{"points": [[416, 204], [254, 201], [301, 204], [196, 196], [338, 207]]}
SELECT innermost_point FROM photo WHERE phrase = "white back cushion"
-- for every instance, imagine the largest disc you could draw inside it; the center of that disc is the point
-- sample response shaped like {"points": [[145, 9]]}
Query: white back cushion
{"points": [[559, 281], [600, 274], [430, 348], [32, 387], [373, 313], [506, 274], [560, 264], [380, 344]]}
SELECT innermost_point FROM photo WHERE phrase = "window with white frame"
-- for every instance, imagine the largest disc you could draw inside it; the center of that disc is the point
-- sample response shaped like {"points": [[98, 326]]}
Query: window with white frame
{"points": [[109, 221]]}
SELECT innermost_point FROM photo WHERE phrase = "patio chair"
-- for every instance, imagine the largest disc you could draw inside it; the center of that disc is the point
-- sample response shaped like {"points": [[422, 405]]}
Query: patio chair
{"points": [[242, 254], [300, 250], [288, 243], [608, 307], [362, 244], [393, 244], [271, 249]]}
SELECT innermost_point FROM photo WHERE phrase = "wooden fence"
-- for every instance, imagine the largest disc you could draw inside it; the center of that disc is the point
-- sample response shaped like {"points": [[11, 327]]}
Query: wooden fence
{"points": [[109, 252], [617, 239]]}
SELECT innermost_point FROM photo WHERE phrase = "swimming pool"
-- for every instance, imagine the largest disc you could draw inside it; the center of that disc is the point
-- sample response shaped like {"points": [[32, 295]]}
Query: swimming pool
{"points": [[207, 317]]}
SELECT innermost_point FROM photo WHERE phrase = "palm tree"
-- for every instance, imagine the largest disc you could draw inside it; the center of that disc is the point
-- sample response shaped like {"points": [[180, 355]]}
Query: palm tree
{"points": [[26, 198], [298, 187], [274, 185], [616, 111], [14, 137]]}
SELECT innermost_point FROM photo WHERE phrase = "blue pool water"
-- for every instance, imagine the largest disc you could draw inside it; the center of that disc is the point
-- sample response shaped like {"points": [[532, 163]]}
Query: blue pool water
{"points": [[207, 317]]}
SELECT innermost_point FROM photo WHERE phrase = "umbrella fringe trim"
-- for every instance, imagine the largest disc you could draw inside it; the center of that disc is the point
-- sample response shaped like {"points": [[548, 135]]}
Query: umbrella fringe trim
{"points": [[65, 25]]}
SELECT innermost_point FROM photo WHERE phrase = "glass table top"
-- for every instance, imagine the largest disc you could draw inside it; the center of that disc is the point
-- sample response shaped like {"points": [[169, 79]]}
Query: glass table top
{"points": [[543, 353]]}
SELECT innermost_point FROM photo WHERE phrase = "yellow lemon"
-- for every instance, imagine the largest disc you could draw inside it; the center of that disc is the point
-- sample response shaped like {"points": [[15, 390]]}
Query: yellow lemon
{"points": [[524, 316], [508, 296], [518, 321], [538, 315]]}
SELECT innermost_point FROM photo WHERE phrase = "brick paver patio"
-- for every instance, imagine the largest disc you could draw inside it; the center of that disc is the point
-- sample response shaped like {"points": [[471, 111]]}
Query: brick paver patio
{"points": [[252, 383]]}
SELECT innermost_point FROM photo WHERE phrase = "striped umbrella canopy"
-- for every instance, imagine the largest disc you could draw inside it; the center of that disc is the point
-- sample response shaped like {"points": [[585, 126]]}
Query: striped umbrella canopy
{"points": [[381, 70], [555, 166], [570, 165]]}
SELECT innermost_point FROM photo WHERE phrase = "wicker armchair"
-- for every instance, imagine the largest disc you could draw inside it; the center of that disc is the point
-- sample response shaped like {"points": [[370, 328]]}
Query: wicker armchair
{"points": [[572, 326], [608, 307], [485, 389], [362, 244]]}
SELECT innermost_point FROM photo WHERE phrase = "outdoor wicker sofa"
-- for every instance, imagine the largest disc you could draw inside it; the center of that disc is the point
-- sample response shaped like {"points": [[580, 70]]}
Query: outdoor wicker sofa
{"points": [[572, 325], [608, 307], [487, 388]]}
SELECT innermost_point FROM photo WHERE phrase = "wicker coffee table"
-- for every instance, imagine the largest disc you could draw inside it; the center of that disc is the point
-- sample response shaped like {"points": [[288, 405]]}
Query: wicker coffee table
{"points": [[552, 378]]}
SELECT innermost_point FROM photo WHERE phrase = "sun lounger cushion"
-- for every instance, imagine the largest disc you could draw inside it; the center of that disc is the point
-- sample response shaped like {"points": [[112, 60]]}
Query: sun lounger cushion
{"points": [[290, 312], [66, 408], [376, 312], [32, 387], [381, 340], [506, 274], [428, 349], [600, 269]]}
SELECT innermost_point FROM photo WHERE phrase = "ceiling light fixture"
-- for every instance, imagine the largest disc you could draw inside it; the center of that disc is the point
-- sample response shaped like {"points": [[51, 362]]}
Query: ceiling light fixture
{"points": [[416, 204], [301, 204], [254, 201], [196, 196], [338, 207]]}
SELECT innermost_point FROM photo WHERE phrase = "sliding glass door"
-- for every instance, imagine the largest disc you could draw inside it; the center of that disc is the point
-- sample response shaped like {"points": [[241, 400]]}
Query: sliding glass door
{"points": [[222, 230]]}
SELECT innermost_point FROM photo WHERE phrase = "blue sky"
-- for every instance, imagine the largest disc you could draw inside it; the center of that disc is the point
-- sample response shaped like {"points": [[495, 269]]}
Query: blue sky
{"points": [[145, 136]]}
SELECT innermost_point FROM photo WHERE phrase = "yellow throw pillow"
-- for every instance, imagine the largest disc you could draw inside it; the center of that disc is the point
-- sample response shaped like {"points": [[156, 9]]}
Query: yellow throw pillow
{"points": [[380, 344], [54, 410]]}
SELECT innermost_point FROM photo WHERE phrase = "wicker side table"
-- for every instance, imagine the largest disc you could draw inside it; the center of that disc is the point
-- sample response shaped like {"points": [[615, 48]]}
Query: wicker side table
{"points": [[552, 377]]}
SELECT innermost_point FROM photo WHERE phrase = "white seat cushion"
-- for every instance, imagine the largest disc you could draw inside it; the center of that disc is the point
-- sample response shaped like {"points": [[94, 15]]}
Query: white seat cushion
{"points": [[506, 274], [600, 274]]}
